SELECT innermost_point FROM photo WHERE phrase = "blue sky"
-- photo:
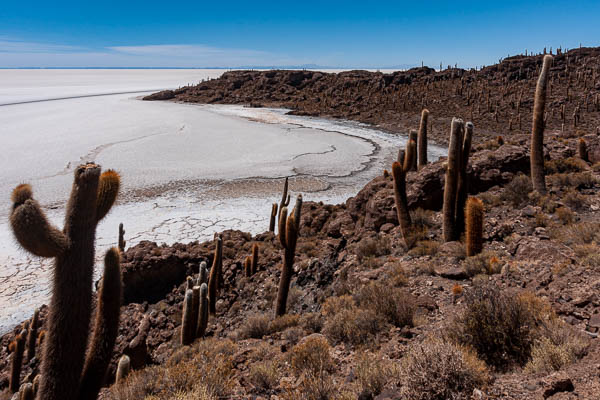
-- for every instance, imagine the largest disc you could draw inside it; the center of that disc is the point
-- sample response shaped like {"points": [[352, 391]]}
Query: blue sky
{"points": [[368, 34]]}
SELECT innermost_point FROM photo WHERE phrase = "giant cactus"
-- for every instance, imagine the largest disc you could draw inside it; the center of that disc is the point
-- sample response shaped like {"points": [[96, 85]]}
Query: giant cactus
{"points": [[203, 314], [462, 189], [92, 196], [474, 234], [399, 170], [537, 130], [288, 236], [213, 281], [254, 262], [422, 139]]}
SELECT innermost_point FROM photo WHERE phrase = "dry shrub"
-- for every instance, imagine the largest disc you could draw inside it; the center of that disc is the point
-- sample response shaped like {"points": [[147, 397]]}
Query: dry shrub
{"points": [[588, 255], [265, 375], [425, 248], [582, 180], [577, 234], [293, 334], [565, 215], [283, 322], [490, 200], [394, 305], [422, 218], [311, 356], [373, 372], [259, 326], [312, 322], [334, 305], [498, 325], [485, 262], [312, 386], [355, 326], [541, 219], [575, 200], [204, 369], [564, 165], [439, 370], [517, 191], [373, 247], [397, 275], [558, 346]]}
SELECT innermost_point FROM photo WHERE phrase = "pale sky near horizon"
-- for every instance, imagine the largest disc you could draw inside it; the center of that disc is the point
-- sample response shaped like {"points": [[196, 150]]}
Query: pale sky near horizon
{"points": [[344, 34]]}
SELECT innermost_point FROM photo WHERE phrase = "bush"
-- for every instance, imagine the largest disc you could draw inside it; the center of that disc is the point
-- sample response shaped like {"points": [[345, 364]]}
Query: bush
{"points": [[564, 165], [439, 370], [311, 356], [578, 234], [355, 326], [516, 192], [259, 326], [373, 247], [498, 325], [394, 305], [264, 375], [482, 263], [372, 373]]}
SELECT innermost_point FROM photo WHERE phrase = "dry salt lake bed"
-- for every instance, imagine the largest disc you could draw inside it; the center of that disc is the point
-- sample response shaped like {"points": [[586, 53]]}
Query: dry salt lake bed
{"points": [[187, 170]]}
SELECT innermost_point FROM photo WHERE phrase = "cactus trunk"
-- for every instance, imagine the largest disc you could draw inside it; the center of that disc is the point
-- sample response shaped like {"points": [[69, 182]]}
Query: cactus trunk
{"points": [[537, 130], [422, 139], [450, 188], [474, 234]]}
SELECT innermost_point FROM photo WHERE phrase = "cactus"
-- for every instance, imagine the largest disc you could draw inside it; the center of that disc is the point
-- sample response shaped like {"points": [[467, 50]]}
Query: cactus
{"points": [[412, 137], [582, 150], [106, 328], [399, 170], [203, 274], [463, 182], [248, 266], [72, 247], [122, 241], [254, 263], [422, 139], [273, 217], [195, 309], [297, 212], [474, 234], [123, 369], [32, 335], [36, 384], [285, 198], [187, 336], [451, 184], [537, 131], [26, 392], [203, 314], [214, 276], [288, 235], [17, 347]]}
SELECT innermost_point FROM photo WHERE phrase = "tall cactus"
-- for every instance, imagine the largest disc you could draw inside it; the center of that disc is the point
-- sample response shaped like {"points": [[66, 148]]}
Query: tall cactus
{"points": [[451, 184], [32, 335], [122, 241], [463, 182], [203, 314], [203, 274], [213, 284], [254, 262], [537, 130], [285, 199], [17, 347], [92, 196], [106, 328], [474, 235], [195, 309], [187, 336], [413, 137], [248, 266], [422, 139], [123, 368], [273, 217], [399, 170], [288, 236]]}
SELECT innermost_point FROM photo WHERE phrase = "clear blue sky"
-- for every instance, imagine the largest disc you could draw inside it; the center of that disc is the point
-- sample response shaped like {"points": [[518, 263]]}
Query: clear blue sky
{"points": [[373, 34]]}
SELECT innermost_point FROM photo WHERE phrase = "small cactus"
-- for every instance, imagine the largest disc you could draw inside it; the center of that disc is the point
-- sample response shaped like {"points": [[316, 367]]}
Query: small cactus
{"points": [[213, 284], [123, 369], [474, 234], [254, 263], [187, 336], [26, 392], [248, 266], [32, 335], [17, 347], [203, 274], [412, 137], [537, 131], [422, 139], [122, 241], [203, 314], [273, 217], [288, 236], [195, 309], [582, 150]]}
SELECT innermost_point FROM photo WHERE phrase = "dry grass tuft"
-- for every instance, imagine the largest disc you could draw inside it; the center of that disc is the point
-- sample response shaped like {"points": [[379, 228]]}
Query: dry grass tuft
{"points": [[373, 373]]}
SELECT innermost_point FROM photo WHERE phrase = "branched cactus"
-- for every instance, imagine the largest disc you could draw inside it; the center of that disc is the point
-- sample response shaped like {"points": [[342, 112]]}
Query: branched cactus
{"points": [[254, 262], [122, 241], [187, 336], [273, 217], [474, 234], [288, 236], [203, 314], [106, 328], [422, 139], [399, 170], [17, 347], [92, 196], [213, 284], [537, 131], [123, 369], [32, 335]]}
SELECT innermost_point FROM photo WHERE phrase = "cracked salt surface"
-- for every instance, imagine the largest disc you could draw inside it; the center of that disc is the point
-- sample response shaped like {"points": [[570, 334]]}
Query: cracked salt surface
{"points": [[188, 171]]}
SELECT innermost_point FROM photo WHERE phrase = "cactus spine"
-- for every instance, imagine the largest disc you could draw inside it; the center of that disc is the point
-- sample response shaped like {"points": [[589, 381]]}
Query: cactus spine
{"points": [[474, 234], [123, 369], [288, 236], [203, 314], [17, 347], [122, 241], [273, 217], [92, 196], [422, 139], [399, 170], [537, 131], [106, 328], [214, 276], [32, 335], [187, 336], [254, 262]]}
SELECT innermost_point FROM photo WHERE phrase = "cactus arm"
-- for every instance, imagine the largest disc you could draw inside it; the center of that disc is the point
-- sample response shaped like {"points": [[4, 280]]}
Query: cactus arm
{"points": [[106, 328], [31, 227], [537, 129], [297, 212], [282, 222], [273, 217], [463, 183], [287, 267], [213, 280], [404, 220], [422, 139], [203, 314], [108, 189], [17, 347]]}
